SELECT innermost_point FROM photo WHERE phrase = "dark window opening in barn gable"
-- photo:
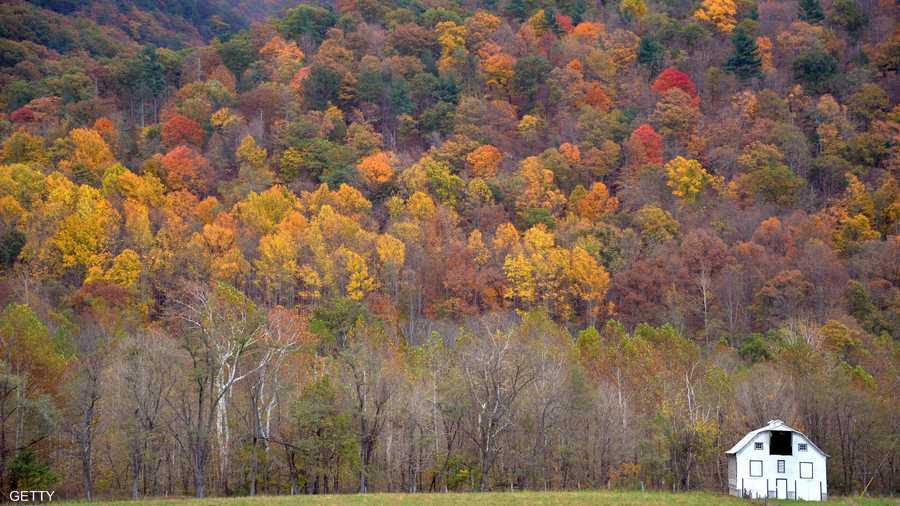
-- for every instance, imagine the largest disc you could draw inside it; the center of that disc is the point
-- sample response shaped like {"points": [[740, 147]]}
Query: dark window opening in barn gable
{"points": [[780, 443]]}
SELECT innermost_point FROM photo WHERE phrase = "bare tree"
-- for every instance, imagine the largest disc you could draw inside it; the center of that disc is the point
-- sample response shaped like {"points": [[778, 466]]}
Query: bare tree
{"points": [[94, 344], [281, 335], [221, 331], [373, 382], [147, 369], [496, 369]]}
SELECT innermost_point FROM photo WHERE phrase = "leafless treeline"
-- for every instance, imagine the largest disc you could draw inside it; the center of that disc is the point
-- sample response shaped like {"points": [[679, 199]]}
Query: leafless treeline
{"points": [[231, 398]]}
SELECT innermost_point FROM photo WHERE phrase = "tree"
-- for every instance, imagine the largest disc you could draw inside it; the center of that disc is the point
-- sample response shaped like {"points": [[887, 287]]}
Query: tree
{"points": [[705, 255], [718, 12], [672, 78], [324, 438], [815, 68], [94, 343], [591, 281], [83, 238], [285, 58], [321, 87], [358, 282], [89, 156], [147, 367], [186, 169], [529, 75], [745, 62], [811, 11], [452, 38], [496, 369], [221, 330], [651, 54], [596, 203], [633, 9], [307, 20], [179, 130], [676, 114], [767, 176], [146, 77], [484, 161], [376, 169], [657, 225], [850, 16], [372, 382], [644, 146], [31, 371], [237, 52], [254, 174], [687, 178], [27, 473]]}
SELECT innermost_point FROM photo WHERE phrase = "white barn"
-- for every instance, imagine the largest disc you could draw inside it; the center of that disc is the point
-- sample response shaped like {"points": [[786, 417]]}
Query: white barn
{"points": [[779, 462]]}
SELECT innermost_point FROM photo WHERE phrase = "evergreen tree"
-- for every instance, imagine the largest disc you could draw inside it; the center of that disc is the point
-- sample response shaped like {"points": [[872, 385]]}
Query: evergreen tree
{"points": [[573, 8], [814, 69], [811, 11], [849, 15], [149, 73], [650, 53], [518, 9], [745, 63], [26, 472], [552, 23]]}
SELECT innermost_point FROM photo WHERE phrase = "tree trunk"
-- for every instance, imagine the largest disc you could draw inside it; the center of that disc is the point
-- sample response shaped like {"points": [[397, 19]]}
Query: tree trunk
{"points": [[198, 464], [86, 446]]}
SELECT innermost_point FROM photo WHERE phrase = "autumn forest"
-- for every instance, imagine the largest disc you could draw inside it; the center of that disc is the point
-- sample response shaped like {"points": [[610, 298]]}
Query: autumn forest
{"points": [[272, 247]]}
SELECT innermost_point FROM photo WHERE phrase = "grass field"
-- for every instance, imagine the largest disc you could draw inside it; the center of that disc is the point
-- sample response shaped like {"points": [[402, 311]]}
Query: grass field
{"points": [[592, 498]]}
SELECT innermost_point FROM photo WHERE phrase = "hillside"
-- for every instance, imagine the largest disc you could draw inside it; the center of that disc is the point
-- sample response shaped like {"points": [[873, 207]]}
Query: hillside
{"points": [[426, 245]]}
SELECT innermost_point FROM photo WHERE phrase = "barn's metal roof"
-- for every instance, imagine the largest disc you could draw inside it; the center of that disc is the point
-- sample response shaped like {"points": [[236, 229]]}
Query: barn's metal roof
{"points": [[772, 425]]}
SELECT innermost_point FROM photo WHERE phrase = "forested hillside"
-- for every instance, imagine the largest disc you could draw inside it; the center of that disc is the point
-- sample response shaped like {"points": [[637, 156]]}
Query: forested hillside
{"points": [[427, 245]]}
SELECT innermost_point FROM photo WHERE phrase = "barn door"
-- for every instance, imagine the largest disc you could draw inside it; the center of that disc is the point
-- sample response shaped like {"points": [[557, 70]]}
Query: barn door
{"points": [[781, 488]]}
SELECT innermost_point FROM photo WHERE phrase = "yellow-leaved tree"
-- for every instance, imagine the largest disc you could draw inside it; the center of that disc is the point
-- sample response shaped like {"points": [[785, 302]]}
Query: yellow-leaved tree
{"points": [[718, 12], [452, 38], [89, 155], [359, 283], [591, 280], [687, 178]]}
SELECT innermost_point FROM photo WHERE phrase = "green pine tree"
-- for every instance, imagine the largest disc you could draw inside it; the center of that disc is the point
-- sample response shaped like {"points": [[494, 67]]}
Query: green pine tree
{"points": [[551, 22], [811, 11], [26, 472], [517, 9], [651, 54], [745, 63]]}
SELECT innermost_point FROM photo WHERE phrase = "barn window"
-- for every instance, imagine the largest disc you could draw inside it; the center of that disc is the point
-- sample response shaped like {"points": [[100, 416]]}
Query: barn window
{"points": [[756, 468], [757, 446], [806, 470], [780, 443], [801, 447], [781, 466]]}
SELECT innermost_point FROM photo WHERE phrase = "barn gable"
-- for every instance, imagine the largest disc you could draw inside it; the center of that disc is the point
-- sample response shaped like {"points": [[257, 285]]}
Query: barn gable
{"points": [[777, 461], [772, 425]]}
